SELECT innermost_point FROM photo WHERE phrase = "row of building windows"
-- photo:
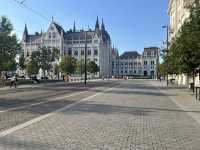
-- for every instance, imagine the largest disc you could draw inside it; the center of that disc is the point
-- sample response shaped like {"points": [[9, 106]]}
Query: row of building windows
{"points": [[130, 72], [130, 65], [75, 41], [38, 42], [52, 35], [138, 67], [149, 54], [134, 72], [82, 52], [80, 41]]}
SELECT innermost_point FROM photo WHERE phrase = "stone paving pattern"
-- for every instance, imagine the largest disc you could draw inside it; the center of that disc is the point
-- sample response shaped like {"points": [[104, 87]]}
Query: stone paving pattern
{"points": [[24, 97], [132, 116]]}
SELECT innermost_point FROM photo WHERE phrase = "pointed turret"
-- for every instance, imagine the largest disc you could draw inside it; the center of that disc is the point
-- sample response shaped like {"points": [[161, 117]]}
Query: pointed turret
{"points": [[113, 49], [62, 33], [74, 28], [102, 26], [25, 34], [97, 24], [117, 52]]}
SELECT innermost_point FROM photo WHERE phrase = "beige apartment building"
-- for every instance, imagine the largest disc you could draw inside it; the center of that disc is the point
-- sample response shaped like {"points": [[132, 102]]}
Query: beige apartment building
{"points": [[178, 12]]}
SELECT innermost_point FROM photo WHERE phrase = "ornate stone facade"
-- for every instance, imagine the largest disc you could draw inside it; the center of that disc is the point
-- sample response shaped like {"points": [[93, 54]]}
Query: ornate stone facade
{"points": [[132, 63], [73, 42]]}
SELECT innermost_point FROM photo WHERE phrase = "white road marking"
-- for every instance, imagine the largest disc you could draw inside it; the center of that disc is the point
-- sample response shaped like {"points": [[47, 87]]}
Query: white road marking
{"points": [[43, 102], [28, 123]]}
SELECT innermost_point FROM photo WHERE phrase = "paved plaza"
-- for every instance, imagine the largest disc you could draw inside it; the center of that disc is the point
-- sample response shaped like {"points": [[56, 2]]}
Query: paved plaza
{"points": [[105, 115]]}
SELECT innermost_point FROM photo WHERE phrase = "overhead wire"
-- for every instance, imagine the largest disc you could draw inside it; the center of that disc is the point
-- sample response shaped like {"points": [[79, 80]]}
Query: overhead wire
{"points": [[22, 3]]}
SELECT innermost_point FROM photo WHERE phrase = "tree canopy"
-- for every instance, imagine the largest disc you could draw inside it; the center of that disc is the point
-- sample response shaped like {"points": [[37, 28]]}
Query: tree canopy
{"points": [[9, 45], [22, 61], [68, 64], [44, 57], [93, 67]]}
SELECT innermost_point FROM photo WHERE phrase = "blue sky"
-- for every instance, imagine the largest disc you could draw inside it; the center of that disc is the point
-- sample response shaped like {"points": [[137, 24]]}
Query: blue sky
{"points": [[132, 24]]}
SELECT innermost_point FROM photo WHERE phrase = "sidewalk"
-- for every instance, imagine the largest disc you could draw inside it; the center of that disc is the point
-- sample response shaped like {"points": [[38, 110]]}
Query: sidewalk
{"points": [[19, 86], [182, 97], [48, 84]]}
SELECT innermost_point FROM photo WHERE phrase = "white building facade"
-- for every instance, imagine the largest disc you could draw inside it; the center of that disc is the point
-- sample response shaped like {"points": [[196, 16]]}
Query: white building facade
{"points": [[72, 42], [178, 12], [134, 64]]}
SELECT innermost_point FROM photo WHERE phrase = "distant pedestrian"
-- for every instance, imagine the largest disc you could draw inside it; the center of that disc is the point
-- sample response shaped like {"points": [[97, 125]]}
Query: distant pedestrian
{"points": [[63, 77], [13, 81], [1, 81], [3, 78], [161, 78]]}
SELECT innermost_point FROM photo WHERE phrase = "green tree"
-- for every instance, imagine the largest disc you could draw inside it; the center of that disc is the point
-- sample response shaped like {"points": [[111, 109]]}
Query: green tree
{"points": [[33, 65], [57, 70], [6, 26], [45, 59], [93, 67], [32, 68], [8, 45], [29, 68], [55, 54], [22, 61], [162, 71], [80, 66], [68, 64]]}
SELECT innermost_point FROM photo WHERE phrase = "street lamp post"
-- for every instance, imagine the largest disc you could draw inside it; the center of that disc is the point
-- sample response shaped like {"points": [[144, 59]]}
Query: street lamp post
{"points": [[167, 49], [85, 58]]}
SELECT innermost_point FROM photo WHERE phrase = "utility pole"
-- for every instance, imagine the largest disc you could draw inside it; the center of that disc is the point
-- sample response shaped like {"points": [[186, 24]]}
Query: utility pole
{"points": [[85, 57], [167, 50]]}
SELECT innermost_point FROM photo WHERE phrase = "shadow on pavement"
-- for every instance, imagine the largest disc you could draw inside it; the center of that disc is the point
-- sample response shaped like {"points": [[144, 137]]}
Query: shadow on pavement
{"points": [[87, 107], [12, 102], [105, 109], [118, 90], [60, 86]]}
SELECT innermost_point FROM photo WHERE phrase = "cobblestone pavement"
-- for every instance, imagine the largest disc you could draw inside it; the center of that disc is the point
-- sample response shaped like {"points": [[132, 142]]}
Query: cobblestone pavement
{"points": [[183, 97], [23, 104], [134, 115]]}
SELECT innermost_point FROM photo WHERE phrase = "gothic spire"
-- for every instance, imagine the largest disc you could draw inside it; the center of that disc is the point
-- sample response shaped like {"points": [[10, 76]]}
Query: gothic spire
{"points": [[74, 28], [102, 26], [97, 24], [25, 34]]}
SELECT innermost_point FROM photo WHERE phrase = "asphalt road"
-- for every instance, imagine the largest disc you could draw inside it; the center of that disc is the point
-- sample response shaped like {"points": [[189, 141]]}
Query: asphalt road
{"points": [[114, 115]]}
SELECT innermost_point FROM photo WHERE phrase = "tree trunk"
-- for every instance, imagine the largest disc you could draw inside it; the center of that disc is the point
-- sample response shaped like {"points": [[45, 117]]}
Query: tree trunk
{"points": [[193, 81], [188, 80], [44, 73]]}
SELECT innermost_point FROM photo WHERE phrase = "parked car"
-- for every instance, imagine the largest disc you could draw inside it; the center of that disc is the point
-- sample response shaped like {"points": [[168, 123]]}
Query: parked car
{"points": [[9, 74], [22, 77], [44, 78], [34, 80]]}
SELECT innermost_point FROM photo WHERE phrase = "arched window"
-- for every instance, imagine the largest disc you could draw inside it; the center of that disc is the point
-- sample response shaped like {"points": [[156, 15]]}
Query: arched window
{"points": [[76, 53]]}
